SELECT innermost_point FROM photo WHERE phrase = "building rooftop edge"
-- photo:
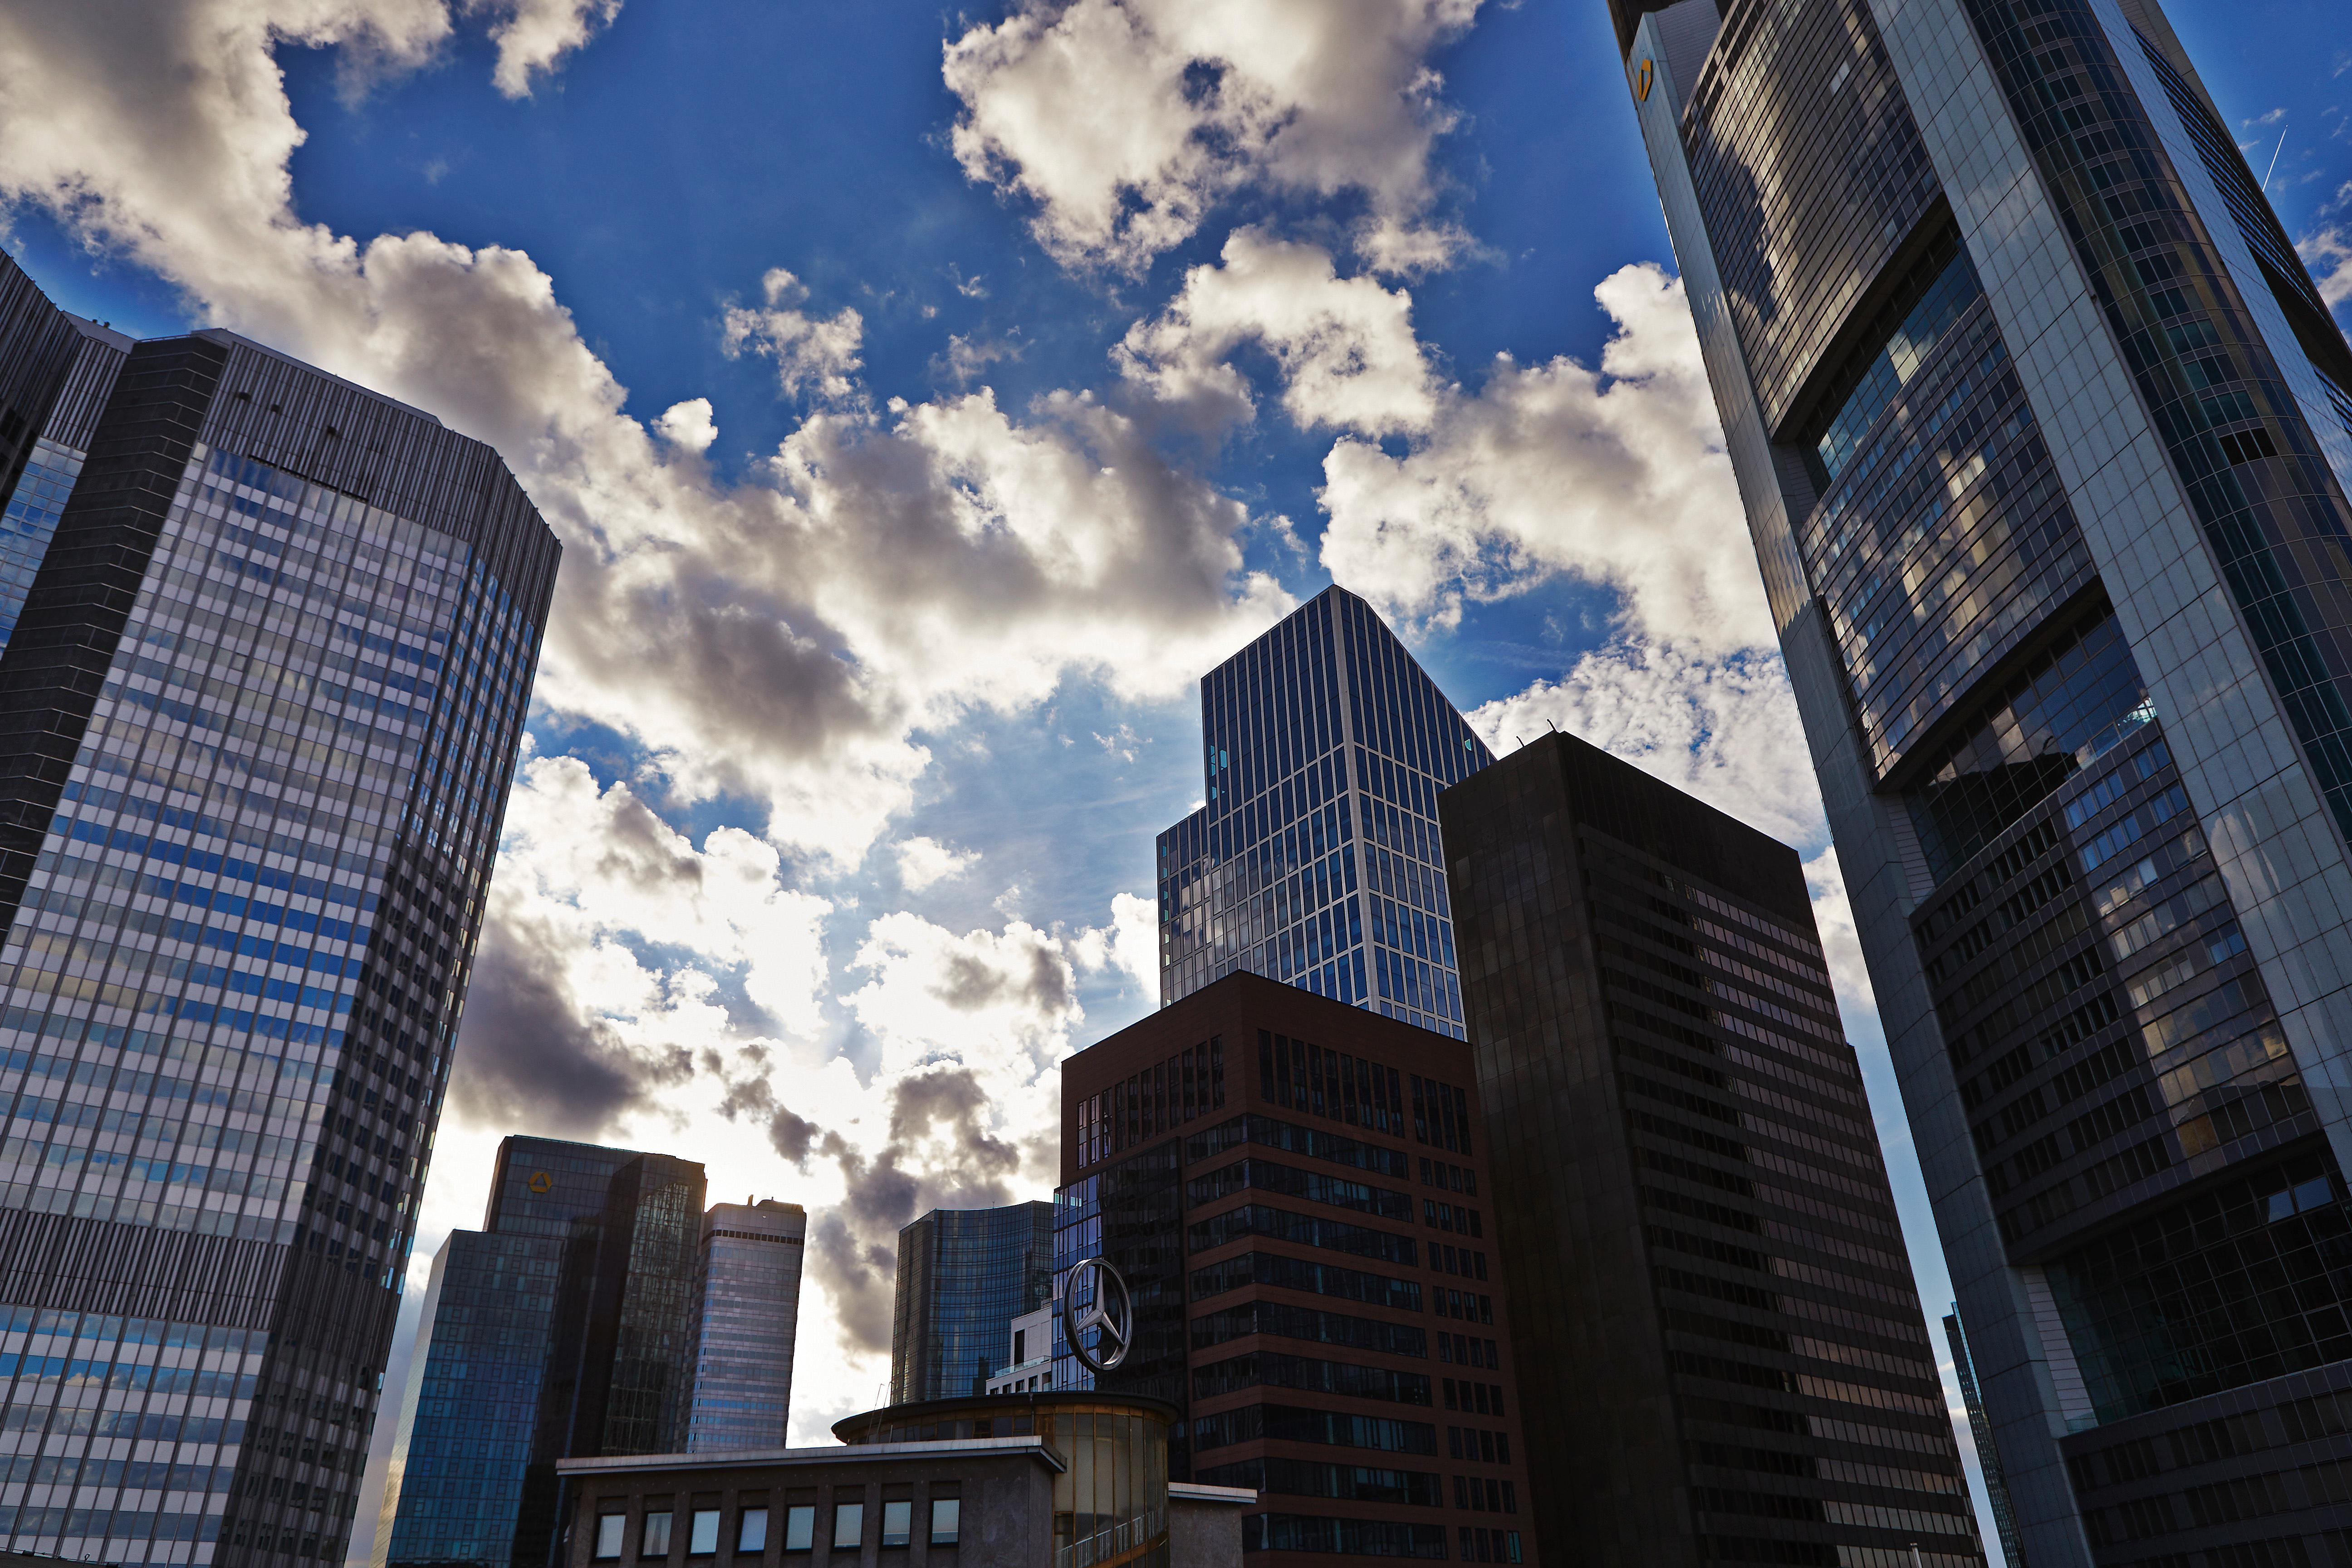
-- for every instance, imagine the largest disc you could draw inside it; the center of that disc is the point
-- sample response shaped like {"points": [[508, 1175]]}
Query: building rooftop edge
{"points": [[1195, 1491], [828, 1456]]}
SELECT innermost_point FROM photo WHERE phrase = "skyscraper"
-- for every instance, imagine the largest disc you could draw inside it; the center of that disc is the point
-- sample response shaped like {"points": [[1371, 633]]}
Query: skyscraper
{"points": [[46, 467], [748, 1283], [257, 715], [1964, 1373], [2043, 437], [454, 1490], [1314, 859], [963, 1276], [1298, 1195], [1721, 1357]]}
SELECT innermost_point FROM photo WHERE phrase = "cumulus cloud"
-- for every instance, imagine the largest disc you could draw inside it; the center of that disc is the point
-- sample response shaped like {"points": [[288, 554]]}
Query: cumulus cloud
{"points": [[607, 940], [1344, 347], [781, 640], [1724, 729], [533, 35], [818, 354], [1123, 121], [2328, 253], [924, 862], [1617, 476], [690, 425]]}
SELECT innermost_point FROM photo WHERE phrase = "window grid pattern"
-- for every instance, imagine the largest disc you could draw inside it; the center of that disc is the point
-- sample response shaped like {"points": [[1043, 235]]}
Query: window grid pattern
{"points": [[2110, 1037], [1316, 859], [30, 521], [963, 1275], [2279, 526], [751, 1289], [1944, 537], [1810, 173], [485, 1329]]}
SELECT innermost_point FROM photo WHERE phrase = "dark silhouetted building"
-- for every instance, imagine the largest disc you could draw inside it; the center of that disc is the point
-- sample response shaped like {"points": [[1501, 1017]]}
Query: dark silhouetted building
{"points": [[258, 709], [2044, 437], [963, 1276], [749, 1285], [1721, 1358], [1296, 1193], [1315, 859]]}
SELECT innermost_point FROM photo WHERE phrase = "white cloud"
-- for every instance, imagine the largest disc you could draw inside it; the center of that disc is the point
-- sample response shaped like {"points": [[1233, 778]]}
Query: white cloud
{"points": [[781, 640], [1124, 120], [689, 425], [1724, 729], [1616, 476], [533, 35], [1345, 347], [818, 354], [924, 862], [2329, 254]]}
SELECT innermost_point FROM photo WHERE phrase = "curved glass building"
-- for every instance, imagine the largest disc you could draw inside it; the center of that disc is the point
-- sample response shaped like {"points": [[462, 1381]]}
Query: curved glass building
{"points": [[2043, 437]]}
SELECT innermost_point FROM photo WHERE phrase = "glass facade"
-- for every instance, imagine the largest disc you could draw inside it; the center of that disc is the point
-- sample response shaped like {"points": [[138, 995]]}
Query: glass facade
{"points": [[1316, 859], [1734, 1367], [462, 1456], [749, 1287], [963, 1276], [239, 921], [2055, 707]]}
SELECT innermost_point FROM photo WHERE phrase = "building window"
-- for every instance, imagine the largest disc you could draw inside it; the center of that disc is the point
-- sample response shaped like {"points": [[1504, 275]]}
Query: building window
{"points": [[702, 1533], [897, 1522], [800, 1527], [751, 1531], [655, 1543], [610, 1530], [848, 1525], [947, 1513]]}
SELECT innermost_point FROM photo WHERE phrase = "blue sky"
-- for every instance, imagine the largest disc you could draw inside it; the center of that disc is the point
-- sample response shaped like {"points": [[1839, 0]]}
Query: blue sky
{"points": [[924, 397]]}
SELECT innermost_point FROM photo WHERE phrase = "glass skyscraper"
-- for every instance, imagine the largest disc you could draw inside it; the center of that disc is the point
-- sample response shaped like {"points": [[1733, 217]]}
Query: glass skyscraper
{"points": [[454, 1490], [2043, 437], [36, 496], [257, 714], [748, 1286], [963, 1276], [1314, 859]]}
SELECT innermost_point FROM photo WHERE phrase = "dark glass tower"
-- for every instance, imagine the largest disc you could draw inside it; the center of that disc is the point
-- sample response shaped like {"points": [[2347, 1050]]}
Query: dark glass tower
{"points": [[2042, 433], [749, 1287], [1721, 1357], [257, 714], [454, 1492], [52, 462], [1314, 860], [963, 1276]]}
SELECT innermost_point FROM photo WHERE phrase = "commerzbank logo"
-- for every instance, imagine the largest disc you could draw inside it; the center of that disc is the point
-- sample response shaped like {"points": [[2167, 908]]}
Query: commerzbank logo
{"points": [[1643, 75], [541, 1183]]}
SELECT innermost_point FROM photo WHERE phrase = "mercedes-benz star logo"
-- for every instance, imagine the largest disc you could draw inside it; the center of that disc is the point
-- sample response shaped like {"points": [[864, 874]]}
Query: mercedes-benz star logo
{"points": [[1111, 1313]]}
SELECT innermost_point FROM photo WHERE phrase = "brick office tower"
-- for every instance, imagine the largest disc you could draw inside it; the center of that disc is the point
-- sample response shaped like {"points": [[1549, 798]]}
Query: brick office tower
{"points": [[257, 714], [1720, 1352], [1295, 1190]]}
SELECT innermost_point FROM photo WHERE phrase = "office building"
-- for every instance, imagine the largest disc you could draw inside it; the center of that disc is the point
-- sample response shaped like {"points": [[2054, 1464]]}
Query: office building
{"points": [[1029, 1355], [1314, 858], [2042, 433], [257, 714], [1030, 1481], [963, 1276], [37, 477], [748, 1286], [453, 1489], [1721, 1357], [1296, 1193], [1996, 1486]]}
